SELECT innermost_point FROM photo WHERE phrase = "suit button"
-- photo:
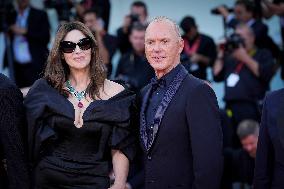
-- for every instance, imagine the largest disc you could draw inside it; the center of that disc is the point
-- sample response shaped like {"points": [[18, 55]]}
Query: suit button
{"points": [[149, 157]]}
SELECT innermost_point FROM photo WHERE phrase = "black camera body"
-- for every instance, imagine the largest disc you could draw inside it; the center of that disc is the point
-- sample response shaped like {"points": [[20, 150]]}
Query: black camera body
{"points": [[216, 11], [134, 18], [233, 42]]}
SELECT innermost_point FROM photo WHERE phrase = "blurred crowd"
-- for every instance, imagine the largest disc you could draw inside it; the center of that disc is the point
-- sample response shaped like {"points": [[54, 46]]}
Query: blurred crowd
{"points": [[245, 61]]}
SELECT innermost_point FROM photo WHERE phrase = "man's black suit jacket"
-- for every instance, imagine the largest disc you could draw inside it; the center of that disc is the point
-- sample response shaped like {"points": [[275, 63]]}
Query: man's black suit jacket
{"points": [[269, 165], [187, 151], [38, 36], [12, 137]]}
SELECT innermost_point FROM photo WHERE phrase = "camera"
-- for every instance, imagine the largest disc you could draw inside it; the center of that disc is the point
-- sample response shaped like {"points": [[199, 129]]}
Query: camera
{"points": [[134, 18], [217, 12], [233, 42]]}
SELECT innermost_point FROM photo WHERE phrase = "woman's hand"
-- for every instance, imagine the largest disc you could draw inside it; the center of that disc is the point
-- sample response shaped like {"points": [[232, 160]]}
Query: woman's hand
{"points": [[118, 186]]}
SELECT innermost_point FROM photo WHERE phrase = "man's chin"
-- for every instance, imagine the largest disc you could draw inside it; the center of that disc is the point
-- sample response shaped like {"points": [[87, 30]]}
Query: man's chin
{"points": [[157, 65], [252, 155]]}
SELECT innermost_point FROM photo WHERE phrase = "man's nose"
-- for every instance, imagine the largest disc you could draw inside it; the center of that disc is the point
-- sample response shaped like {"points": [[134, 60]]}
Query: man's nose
{"points": [[157, 47], [249, 148]]}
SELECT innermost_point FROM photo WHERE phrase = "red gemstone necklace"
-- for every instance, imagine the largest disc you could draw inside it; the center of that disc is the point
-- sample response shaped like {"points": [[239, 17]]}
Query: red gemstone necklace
{"points": [[78, 95]]}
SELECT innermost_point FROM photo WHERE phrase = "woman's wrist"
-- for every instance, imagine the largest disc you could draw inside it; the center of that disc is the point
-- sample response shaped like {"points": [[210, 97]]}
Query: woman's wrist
{"points": [[119, 185]]}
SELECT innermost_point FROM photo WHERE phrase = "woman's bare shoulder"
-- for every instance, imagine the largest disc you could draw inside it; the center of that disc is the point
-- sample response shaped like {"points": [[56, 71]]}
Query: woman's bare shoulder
{"points": [[111, 89]]}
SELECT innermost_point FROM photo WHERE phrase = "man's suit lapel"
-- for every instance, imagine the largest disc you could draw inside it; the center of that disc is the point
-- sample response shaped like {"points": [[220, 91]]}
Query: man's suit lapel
{"points": [[143, 124], [170, 93]]}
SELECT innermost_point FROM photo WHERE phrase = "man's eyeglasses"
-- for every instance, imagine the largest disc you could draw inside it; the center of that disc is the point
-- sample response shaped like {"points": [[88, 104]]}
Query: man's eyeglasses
{"points": [[69, 46]]}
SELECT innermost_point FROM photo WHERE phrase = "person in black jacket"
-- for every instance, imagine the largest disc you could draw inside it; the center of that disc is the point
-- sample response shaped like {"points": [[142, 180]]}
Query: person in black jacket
{"points": [[239, 163], [247, 71], [79, 122], [133, 67], [14, 172], [199, 50], [245, 13], [276, 7], [269, 172], [30, 36], [138, 13], [107, 43], [180, 129]]}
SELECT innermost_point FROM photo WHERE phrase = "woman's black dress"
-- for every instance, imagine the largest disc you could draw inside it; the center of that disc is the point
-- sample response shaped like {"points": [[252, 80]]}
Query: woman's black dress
{"points": [[64, 156]]}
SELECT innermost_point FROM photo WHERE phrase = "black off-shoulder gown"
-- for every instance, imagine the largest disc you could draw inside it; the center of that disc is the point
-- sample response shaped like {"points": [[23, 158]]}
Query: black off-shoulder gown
{"points": [[64, 156]]}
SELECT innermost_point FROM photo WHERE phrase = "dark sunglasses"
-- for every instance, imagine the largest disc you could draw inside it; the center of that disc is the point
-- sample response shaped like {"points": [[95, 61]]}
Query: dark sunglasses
{"points": [[69, 46]]}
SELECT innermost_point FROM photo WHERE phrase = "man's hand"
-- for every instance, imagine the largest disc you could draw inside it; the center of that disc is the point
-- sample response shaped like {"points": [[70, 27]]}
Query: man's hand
{"points": [[223, 11], [98, 28], [194, 58], [241, 54], [199, 58], [126, 23], [18, 30]]}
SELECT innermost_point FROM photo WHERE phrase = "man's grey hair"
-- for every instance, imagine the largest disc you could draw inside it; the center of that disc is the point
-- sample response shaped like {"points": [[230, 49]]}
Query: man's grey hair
{"points": [[166, 19], [248, 127]]}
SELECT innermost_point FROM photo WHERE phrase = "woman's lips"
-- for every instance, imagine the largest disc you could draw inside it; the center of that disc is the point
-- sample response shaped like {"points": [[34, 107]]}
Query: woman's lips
{"points": [[79, 59]]}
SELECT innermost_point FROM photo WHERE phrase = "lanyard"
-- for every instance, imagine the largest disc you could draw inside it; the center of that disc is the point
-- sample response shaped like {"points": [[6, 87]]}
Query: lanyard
{"points": [[193, 48]]}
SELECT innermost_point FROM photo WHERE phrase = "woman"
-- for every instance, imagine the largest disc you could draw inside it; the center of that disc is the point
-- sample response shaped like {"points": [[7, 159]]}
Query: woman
{"points": [[13, 150], [269, 163], [78, 120]]}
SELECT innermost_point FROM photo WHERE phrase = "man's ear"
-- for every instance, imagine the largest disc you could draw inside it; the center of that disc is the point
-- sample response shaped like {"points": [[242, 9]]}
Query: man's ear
{"points": [[181, 44]]}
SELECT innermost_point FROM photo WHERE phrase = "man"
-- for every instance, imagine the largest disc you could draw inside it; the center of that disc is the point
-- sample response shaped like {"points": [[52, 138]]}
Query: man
{"points": [[102, 6], [138, 13], [248, 132], [239, 163], [106, 42], [276, 7], [244, 13], [30, 35], [199, 49], [133, 67], [247, 72], [269, 161], [179, 125], [13, 157]]}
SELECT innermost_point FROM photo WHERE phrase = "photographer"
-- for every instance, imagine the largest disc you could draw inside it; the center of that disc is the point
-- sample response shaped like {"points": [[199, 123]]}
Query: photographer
{"points": [[199, 49], [245, 13], [62, 7], [138, 13], [276, 7], [247, 71], [30, 36], [106, 42], [239, 163], [133, 67]]}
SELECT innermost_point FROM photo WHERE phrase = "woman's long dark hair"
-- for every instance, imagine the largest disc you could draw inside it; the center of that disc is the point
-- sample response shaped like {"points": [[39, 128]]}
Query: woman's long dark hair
{"points": [[57, 71]]}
